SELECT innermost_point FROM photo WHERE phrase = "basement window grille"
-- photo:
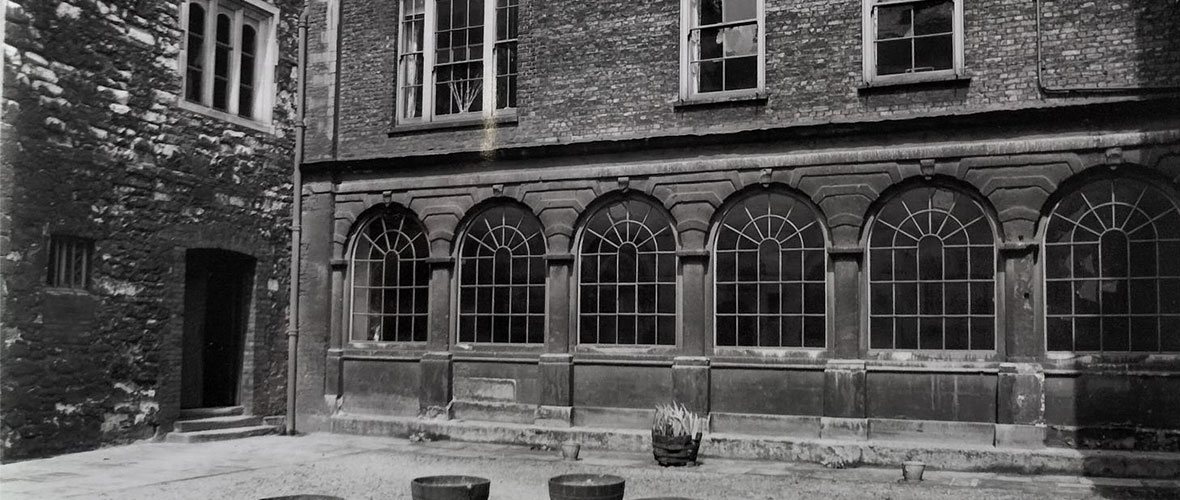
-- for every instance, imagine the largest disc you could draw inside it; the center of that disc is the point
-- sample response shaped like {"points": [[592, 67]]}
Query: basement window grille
{"points": [[69, 262]]}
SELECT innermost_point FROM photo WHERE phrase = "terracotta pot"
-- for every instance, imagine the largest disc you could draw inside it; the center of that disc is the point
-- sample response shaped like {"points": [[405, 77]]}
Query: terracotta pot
{"points": [[675, 450], [450, 488], [586, 487], [912, 471], [569, 451]]}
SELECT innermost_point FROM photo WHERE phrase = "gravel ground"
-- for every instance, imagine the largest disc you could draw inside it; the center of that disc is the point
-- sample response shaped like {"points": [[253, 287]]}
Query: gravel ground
{"points": [[353, 467]]}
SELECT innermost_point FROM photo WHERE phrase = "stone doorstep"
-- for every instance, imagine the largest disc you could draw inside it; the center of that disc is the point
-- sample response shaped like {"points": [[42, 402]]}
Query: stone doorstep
{"points": [[967, 458], [219, 434], [205, 424]]}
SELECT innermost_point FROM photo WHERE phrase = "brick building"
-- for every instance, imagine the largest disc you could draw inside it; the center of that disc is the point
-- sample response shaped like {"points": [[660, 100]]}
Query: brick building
{"points": [[147, 152], [853, 219]]}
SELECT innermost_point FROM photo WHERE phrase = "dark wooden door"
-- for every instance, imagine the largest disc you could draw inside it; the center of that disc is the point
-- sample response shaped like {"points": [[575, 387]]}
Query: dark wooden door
{"points": [[217, 300]]}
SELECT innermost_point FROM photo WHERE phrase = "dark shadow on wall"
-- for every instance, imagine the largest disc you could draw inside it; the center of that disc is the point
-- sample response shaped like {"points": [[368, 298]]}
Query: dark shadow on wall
{"points": [[1157, 37], [1106, 296], [1116, 401]]}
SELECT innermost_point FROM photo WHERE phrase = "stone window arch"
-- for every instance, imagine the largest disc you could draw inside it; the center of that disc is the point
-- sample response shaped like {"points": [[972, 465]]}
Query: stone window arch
{"points": [[627, 275], [389, 280], [769, 274], [932, 269], [1112, 275], [502, 278]]}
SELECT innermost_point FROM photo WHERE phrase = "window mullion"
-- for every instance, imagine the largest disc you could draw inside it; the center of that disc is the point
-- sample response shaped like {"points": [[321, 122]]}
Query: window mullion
{"points": [[429, 25], [235, 63], [210, 53], [489, 61]]}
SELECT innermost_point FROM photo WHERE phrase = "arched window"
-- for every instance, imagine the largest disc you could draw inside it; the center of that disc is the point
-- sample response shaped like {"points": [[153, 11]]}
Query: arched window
{"points": [[502, 278], [627, 276], [932, 273], [1112, 269], [769, 274], [390, 280]]}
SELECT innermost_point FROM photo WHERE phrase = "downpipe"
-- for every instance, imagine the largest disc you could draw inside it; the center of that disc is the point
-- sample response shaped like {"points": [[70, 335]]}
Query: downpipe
{"points": [[296, 227]]}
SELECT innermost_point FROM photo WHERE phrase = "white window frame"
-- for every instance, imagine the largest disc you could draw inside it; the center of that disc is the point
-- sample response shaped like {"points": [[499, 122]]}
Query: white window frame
{"points": [[429, 27], [869, 46], [264, 18], [688, 80]]}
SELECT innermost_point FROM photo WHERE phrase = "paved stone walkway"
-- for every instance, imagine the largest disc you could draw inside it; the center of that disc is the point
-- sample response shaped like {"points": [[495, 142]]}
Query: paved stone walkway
{"points": [[371, 467]]}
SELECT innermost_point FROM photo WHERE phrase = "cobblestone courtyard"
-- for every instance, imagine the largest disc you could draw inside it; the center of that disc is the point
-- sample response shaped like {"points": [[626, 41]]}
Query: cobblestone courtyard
{"points": [[355, 467]]}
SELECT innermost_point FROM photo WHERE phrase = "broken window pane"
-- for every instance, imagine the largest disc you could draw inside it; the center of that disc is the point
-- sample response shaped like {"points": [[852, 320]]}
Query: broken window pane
{"points": [[915, 37], [725, 45]]}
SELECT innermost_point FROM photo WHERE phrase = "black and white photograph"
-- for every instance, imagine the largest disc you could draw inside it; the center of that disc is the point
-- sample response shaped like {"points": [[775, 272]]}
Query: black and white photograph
{"points": [[590, 249]]}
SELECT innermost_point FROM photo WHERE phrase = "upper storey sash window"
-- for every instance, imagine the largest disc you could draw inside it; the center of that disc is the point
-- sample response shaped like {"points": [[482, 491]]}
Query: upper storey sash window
{"points": [[722, 51], [457, 59], [912, 40]]}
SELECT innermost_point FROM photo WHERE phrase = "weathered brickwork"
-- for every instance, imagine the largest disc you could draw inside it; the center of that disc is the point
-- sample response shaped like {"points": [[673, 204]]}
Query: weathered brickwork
{"points": [[608, 70], [95, 146]]}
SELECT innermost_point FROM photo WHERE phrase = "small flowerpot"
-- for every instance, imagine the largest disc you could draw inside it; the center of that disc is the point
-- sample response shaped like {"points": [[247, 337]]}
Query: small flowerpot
{"points": [[586, 487], [912, 471], [675, 451], [569, 451], [450, 488]]}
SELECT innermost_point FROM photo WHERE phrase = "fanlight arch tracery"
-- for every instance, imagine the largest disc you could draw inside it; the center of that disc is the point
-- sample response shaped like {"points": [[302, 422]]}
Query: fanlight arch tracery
{"points": [[769, 274], [1112, 269], [627, 276], [502, 278], [389, 280], [932, 273]]}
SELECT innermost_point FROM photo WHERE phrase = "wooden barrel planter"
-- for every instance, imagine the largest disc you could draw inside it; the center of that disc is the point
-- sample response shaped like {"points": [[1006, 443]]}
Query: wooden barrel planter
{"points": [[675, 451], [586, 487], [450, 488]]}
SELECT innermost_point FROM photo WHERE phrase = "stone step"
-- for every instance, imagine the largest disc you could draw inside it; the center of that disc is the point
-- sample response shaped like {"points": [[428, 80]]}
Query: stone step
{"points": [[219, 411], [219, 434], [205, 424]]}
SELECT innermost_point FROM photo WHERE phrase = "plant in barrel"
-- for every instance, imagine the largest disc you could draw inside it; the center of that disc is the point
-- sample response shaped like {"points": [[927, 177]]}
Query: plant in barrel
{"points": [[676, 434]]}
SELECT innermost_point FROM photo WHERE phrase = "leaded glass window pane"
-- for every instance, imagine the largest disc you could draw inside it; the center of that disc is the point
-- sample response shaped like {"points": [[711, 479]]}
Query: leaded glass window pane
{"points": [[195, 53], [1111, 279], [221, 61], [502, 278], [246, 71], [627, 276], [390, 280], [769, 274], [932, 273]]}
